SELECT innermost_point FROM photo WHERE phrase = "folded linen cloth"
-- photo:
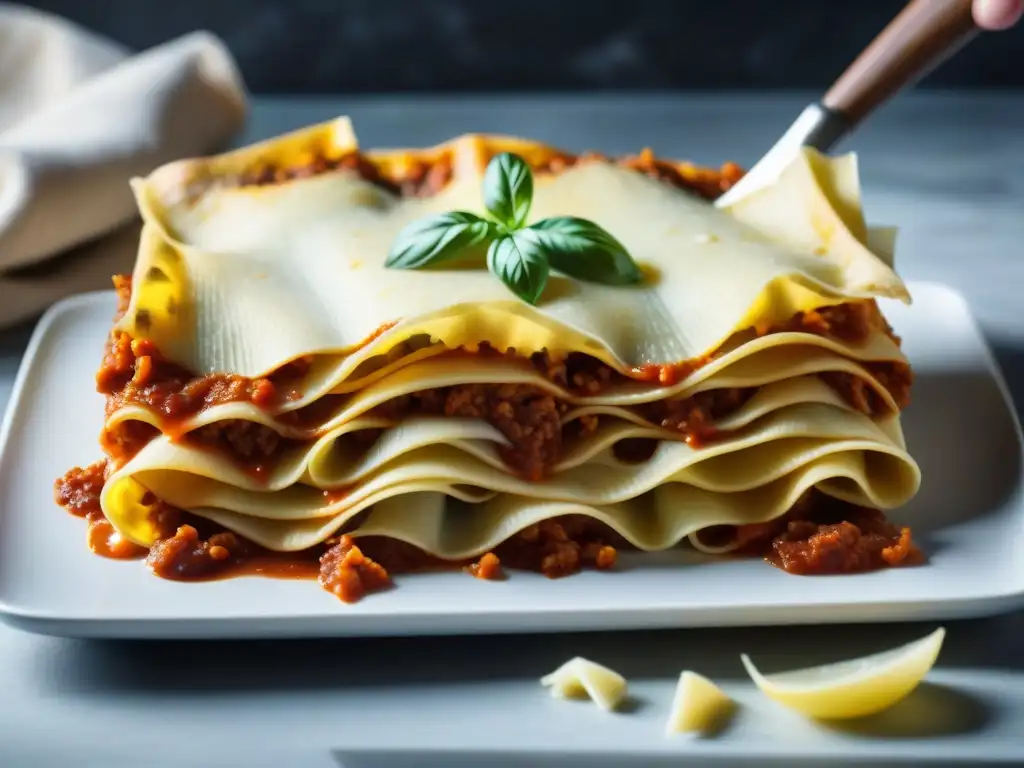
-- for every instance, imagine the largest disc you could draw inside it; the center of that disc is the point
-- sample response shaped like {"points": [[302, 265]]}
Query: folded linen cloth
{"points": [[80, 116]]}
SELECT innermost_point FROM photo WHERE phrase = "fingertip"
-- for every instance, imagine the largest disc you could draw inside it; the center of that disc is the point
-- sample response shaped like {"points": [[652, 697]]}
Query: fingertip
{"points": [[997, 14]]}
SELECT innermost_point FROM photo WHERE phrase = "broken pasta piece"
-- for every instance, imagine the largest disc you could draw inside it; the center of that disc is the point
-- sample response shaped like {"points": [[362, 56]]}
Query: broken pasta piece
{"points": [[853, 688], [580, 677], [699, 706]]}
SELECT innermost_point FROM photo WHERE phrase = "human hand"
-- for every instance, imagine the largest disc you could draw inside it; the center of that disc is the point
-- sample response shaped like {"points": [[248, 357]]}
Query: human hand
{"points": [[997, 14]]}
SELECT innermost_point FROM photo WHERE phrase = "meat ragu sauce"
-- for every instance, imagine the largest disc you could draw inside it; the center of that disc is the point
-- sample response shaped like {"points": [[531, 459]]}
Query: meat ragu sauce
{"points": [[818, 536], [822, 535], [422, 179], [815, 537], [133, 372]]}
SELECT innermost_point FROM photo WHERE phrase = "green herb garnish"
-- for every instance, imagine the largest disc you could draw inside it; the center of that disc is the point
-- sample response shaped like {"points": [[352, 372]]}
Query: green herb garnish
{"points": [[520, 256]]}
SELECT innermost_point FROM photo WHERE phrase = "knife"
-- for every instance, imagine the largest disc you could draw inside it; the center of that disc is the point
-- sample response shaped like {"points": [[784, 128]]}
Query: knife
{"points": [[921, 37]]}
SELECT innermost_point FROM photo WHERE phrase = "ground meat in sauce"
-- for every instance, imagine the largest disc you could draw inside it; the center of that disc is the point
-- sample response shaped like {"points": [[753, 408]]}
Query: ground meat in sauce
{"points": [[817, 536], [530, 418], [695, 416], [186, 556], [256, 446], [270, 174], [852, 322], [422, 179], [752, 539], [577, 373], [709, 183], [349, 574], [561, 546], [527, 416], [78, 490], [821, 535], [488, 568], [133, 371], [866, 542]]}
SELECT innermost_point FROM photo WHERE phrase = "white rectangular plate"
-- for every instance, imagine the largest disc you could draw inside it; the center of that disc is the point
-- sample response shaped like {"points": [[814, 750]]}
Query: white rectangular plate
{"points": [[968, 517]]}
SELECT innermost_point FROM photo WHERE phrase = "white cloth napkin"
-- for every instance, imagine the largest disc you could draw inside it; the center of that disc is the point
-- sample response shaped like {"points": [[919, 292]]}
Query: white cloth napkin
{"points": [[80, 116]]}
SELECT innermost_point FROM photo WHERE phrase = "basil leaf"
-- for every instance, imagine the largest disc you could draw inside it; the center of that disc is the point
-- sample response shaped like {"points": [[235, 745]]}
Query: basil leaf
{"points": [[521, 264], [438, 238], [581, 249], [508, 189]]}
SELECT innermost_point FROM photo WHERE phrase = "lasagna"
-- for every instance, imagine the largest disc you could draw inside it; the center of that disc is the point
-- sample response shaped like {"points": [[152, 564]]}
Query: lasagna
{"points": [[281, 400]]}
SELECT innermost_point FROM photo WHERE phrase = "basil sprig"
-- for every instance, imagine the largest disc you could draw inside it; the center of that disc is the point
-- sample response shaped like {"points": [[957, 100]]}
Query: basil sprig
{"points": [[521, 257]]}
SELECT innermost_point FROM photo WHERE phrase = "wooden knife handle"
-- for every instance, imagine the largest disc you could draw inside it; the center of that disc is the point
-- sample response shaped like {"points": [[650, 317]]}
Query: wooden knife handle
{"points": [[921, 37]]}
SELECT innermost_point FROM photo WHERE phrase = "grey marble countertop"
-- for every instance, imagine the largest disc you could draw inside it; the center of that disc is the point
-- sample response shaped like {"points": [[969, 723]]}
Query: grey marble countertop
{"points": [[947, 168]]}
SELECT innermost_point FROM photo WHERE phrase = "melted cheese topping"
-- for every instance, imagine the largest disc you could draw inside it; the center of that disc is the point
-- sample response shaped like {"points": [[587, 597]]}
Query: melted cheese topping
{"points": [[263, 275]]}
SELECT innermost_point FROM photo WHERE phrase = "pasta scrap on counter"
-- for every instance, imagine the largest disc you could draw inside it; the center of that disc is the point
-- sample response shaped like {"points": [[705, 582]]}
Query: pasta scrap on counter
{"points": [[698, 706], [582, 678]]}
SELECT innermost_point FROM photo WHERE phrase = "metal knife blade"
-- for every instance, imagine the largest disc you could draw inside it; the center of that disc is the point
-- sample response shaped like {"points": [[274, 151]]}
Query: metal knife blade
{"points": [[817, 126]]}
